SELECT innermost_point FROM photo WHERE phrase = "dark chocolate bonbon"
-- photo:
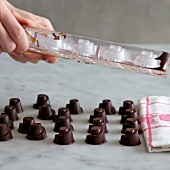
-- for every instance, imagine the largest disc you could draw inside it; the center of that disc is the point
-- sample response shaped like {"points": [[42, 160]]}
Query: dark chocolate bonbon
{"points": [[17, 103], [41, 100], [131, 123], [65, 136], [127, 104], [63, 121], [36, 132], [129, 113], [131, 137], [63, 111], [11, 112], [98, 112], [46, 112], [4, 118], [96, 137], [27, 122], [74, 107], [5, 132], [107, 106], [98, 121]]}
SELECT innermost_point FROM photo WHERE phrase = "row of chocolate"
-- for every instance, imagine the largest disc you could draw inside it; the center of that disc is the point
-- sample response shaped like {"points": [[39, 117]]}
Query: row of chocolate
{"points": [[6, 119], [131, 125], [35, 131], [130, 128]]}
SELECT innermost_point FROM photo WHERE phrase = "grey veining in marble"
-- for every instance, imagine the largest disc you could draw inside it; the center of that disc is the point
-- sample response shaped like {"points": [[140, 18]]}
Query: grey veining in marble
{"points": [[90, 84]]}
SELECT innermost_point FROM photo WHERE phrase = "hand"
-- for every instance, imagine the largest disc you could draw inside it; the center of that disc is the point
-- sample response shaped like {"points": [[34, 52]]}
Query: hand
{"points": [[12, 34], [13, 38]]}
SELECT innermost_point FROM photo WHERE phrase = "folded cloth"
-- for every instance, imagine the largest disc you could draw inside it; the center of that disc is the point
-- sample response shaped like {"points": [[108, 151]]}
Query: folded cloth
{"points": [[154, 114]]}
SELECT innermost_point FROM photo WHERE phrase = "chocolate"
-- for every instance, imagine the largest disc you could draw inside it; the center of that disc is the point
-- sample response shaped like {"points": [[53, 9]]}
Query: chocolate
{"points": [[74, 107], [98, 121], [65, 136], [36, 132], [5, 132], [17, 103], [131, 123], [131, 137], [129, 113], [46, 112], [41, 100], [63, 121], [96, 137], [24, 127], [107, 106], [163, 60], [11, 112], [127, 104], [62, 112], [4, 118], [98, 112]]}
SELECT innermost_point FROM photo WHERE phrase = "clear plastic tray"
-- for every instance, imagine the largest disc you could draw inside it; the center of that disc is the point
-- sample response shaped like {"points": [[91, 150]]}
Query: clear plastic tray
{"points": [[94, 51]]}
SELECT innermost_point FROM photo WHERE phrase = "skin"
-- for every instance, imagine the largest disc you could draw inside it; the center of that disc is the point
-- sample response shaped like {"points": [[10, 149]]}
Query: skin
{"points": [[13, 38]]}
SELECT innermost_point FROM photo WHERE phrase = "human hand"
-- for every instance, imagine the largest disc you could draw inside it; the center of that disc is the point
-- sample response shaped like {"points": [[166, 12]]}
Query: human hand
{"points": [[13, 38]]}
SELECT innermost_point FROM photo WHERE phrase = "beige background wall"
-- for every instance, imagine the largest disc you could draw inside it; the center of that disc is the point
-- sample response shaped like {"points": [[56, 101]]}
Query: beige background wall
{"points": [[126, 21]]}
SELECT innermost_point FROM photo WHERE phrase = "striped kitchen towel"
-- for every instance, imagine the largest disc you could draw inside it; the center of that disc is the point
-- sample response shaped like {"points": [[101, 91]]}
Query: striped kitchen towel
{"points": [[154, 114]]}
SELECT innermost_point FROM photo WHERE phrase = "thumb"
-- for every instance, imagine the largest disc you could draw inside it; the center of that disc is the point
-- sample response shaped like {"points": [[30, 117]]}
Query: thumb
{"points": [[20, 19]]}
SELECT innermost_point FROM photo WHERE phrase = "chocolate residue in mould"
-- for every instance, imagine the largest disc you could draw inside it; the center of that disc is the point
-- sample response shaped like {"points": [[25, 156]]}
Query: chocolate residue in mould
{"points": [[56, 37], [163, 58], [63, 34]]}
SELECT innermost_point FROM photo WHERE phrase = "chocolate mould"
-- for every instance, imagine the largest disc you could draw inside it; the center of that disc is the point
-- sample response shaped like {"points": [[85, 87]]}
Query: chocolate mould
{"points": [[74, 107], [5, 132], [65, 136], [98, 121], [11, 112], [63, 121], [96, 137], [63, 111], [107, 106], [36, 132], [127, 104], [27, 122], [131, 123], [17, 103], [98, 112], [131, 137], [94, 51], [4, 118], [46, 112], [41, 100]]}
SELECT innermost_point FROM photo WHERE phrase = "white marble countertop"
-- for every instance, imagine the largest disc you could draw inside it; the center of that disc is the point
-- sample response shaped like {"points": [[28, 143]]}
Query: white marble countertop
{"points": [[90, 84]]}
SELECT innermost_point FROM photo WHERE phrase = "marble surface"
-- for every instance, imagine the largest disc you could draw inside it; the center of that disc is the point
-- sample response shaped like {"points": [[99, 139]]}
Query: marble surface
{"points": [[90, 84]]}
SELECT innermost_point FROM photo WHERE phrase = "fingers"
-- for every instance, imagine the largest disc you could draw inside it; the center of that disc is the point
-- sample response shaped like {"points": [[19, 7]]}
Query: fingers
{"points": [[46, 23], [32, 57], [18, 59], [6, 43], [13, 28], [20, 19], [0, 50], [23, 58], [50, 59], [37, 56]]}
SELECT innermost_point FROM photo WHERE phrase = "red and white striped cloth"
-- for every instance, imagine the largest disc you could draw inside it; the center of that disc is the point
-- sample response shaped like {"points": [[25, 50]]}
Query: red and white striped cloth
{"points": [[154, 114]]}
